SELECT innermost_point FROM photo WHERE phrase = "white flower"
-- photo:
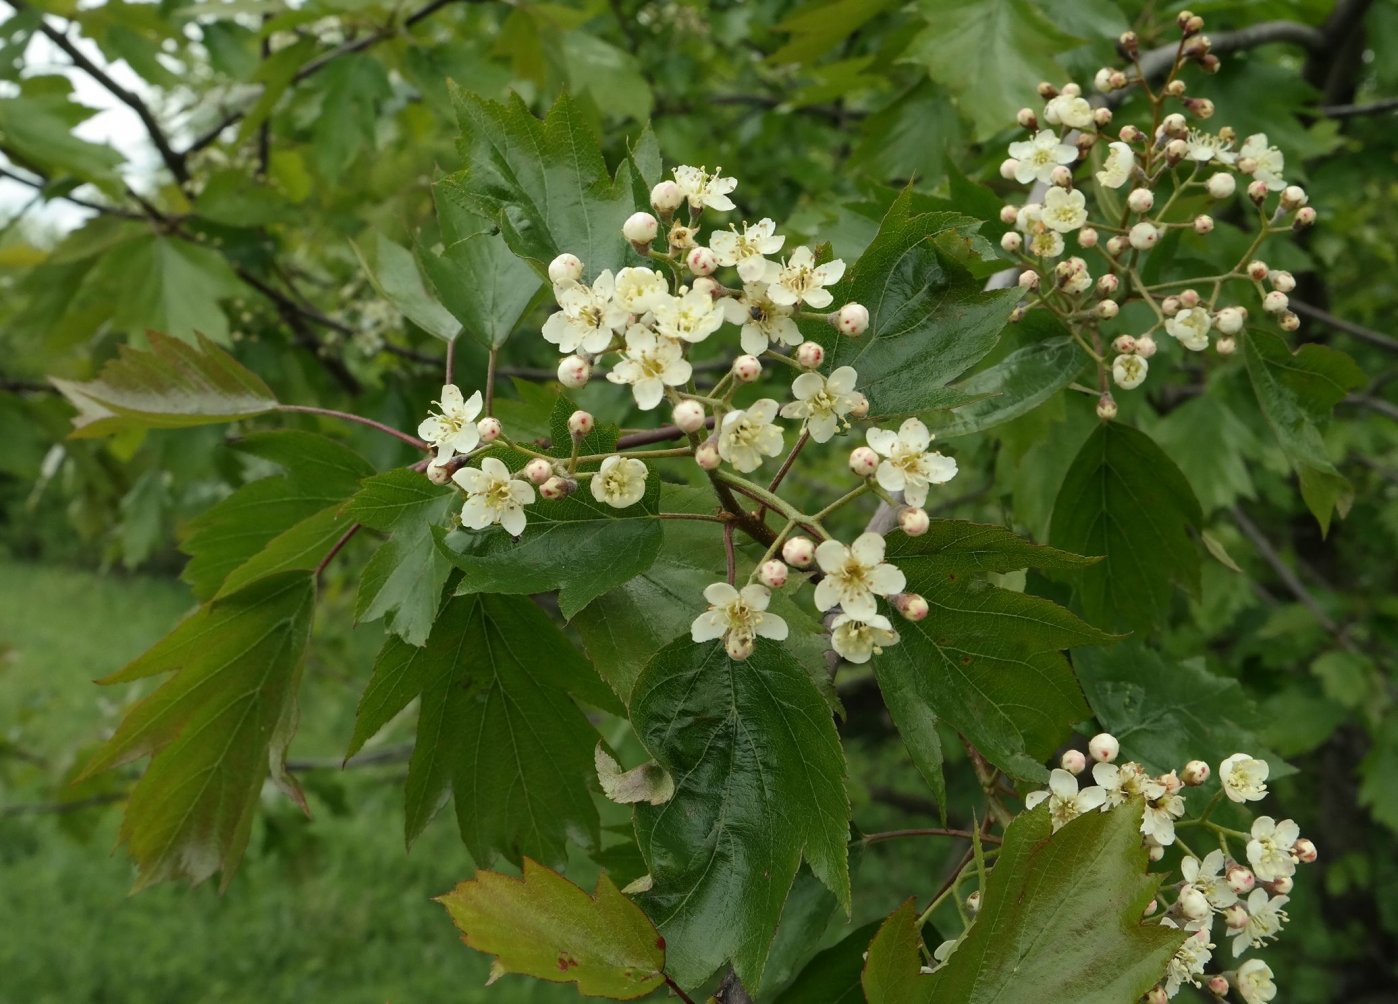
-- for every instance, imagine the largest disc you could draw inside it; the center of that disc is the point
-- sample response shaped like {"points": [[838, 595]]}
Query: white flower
{"points": [[1207, 876], [1269, 850], [739, 614], [589, 316], [856, 639], [763, 322], [704, 189], [1243, 779], [746, 437], [1161, 811], [1045, 243], [1190, 327], [650, 364], [1129, 371], [1071, 110], [492, 496], [1254, 981], [1267, 161], [1118, 167], [800, 279], [1204, 147], [1065, 801], [640, 289], [691, 316], [748, 250], [621, 482], [1265, 919], [1064, 211], [453, 430], [822, 401], [1189, 960], [854, 575], [909, 467], [1036, 158], [1120, 781]]}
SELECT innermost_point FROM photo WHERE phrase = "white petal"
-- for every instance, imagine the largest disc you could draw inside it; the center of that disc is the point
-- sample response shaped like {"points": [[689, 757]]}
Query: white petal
{"points": [[771, 626], [830, 555], [887, 580], [868, 548], [882, 441], [513, 520], [707, 626]]}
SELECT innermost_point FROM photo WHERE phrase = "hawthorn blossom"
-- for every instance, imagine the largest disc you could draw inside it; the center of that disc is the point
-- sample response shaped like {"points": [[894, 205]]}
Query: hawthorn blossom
{"points": [[1264, 923], [650, 363], [1189, 960], [1120, 782], [1208, 877], [1118, 167], [1205, 146], [854, 575], [1190, 327], [1161, 810], [909, 467], [1267, 162], [1129, 371], [1045, 243], [1065, 801], [1269, 850], [589, 318], [1064, 210], [800, 280], [856, 639], [702, 189], [640, 289], [748, 436], [453, 429], [823, 401], [1243, 778], [1254, 982], [749, 249], [692, 316], [1071, 110], [493, 496], [763, 322], [737, 615], [621, 482], [1036, 158]]}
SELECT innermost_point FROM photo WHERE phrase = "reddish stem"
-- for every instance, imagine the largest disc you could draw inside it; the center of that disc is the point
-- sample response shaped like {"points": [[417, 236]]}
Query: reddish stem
{"points": [[306, 409], [337, 547], [930, 831]]}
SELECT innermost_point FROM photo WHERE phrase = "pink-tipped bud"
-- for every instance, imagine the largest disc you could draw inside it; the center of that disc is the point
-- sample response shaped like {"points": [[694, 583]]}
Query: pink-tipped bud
{"points": [[1008, 215], [1176, 150], [1203, 224], [1130, 134], [810, 355], [1102, 117], [1011, 241], [1289, 320], [489, 429], [1174, 125], [1106, 309], [1305, 851], [1116, 245], [1230, 320], [1257, 192], [1029, 279], [1170, 306], [1195, 773], [1201, 108], [1193, 904], [863, 462], [1157, 994], [1106, 407], [1073, 761], [1061, 177], [538, 470], [1175, 88], [1027, 119], [861, 406], [910, 606], [1225, 345], [914, 522], [1275, 302], [1171, 783], [1107, 285], [1221, 185], [1087, 237], [1240, 879], [1305, 217], [1150, 909], [1145, 346], [1103, 747], [773, 574], [580, 423], [438, 474], [1008, 167], [798, 552], [746, 369], [1280, 886], [688, 416], [565, 268], [640, 228], [1282, 280], [1154, 851], [557, 488], [1143, 236], [1293, 197], [852, 319], [1124, 344], [1257, 270], [1217, 985], [1235, 917], [1189, 298], [707, 456], [701, 261], [738, 646], [574, 372], [1141, 200], [704, 284], [666, 197]]}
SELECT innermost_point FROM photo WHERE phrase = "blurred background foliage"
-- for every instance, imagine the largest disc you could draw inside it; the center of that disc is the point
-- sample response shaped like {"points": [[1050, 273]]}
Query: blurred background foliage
{"points": [[190, 166]]}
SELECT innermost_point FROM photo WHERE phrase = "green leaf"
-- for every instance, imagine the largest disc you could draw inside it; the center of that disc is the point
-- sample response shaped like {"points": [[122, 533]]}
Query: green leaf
{"points": [[483, 284], [1124, 498], [1017, 384], [1378, 787], [352, 88], [1219, 475], [495, 727], [39, 131], [169, 285], [990, 53], [610, 76], [237, 200], [212, 728], [172, 385], [544, 181], [394, 273], [986, 660], [760, 783], [929, 319], [818, 26], [832, 977], [402, 583], [1297, 392], [541, 925], [1088, 878], [892, 968]]}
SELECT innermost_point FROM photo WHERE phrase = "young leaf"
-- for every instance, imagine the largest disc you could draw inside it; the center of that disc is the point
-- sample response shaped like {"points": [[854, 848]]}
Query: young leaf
{"points": [[212, 728], [169, 386], [495, 726], [1088, 878], [930, 319], [402, 583], [484, 284], [892, 968], [1123, 498], [760, 783], [541, 925], [1297, 392], [394, 273]]}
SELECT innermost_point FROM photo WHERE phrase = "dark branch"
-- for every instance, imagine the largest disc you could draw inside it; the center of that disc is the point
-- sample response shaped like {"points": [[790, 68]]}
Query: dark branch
{"points": [[1348, 327], [1353, 111], [40, 184]]}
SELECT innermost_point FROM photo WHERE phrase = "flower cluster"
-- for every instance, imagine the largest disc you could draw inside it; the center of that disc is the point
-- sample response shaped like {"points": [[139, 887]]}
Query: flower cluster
{"points": [[1145, 184], [1247, 893]]}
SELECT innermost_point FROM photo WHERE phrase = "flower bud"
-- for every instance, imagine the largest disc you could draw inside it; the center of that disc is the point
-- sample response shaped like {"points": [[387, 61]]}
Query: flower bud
{"points": [[798, 552], [1280, 886], [1190, 24], [861, 406], [680, 236], [580, 423], [565, 268], [1102, 80], [1011, 241], [1154, 852], [1305, 851], [863, 462], [1124, 344], [1103, 747], [1197, 47], [1195, 773], [772, 574], [1170, 306], [701, 261], [1130, 134], [1102, 117], [1293, 197], [810, 355], [1046, 90], [1209, 63], [1217, 985], [666, 197], [1071, 89], [1116, 245], [1087, 237], [1203, 224], [1027, 119], [1008, 215], [489, 429], [1029, 279], [1225, 345], [852, 319], [746, 369], [911, 606], [438, 474], [1221, 185], [1061, 177], [1008, 167], [1230, 320], [1170, 782], [973, 903], [914, 521], [1257, 192], [1143, 236], [1176, 150], [1145, 346], [738, 646], [704, 284], [1016, 315], [1107, 285], [538, 470], [1106, 408], [1289, 320], [557, 488], [707, 456], [1257, 270], [1106, 309], [1200, 107], [1150, 909], [1157, 994], [1189, 298], [1073, 761], [1174, 125], [1140, 200], [688, 416], [1305, 217], [1240, 879], [1193, 904], [1282, 280], [574, 372], [1235, 917], [1275, 302], [640, 228], [1128, 44]]}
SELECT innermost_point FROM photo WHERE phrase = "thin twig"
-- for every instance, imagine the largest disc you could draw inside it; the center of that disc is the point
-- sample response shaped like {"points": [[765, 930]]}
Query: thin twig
{"points": [[728, 553], [661, 435], [491, 361], [679, 992], [926, 831], [337, 547], [1348, 327], [1284, 572], [306, 409], [1353, 111]]}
